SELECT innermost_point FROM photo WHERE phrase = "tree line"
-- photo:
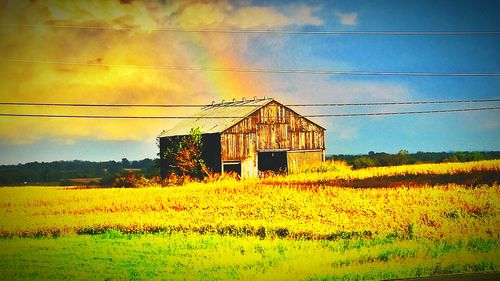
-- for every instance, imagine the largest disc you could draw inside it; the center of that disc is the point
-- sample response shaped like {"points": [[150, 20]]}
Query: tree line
{"points": [[64, 172], [105, 173], [377, 159]]}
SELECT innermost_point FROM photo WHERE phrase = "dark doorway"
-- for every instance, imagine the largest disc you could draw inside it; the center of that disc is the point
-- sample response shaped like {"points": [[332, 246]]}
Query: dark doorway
{"points": [[233, 167], [273, 161]]}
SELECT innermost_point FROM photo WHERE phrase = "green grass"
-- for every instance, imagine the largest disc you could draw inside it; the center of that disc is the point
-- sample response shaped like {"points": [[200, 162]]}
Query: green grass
{"points": [[179, 256]]}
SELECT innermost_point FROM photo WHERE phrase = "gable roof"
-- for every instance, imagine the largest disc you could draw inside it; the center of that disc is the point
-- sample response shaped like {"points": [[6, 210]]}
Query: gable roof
{"points": [[233, 110]]}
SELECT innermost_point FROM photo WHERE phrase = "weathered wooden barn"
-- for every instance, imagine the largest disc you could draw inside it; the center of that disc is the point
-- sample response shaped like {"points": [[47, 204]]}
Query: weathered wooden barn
{"points": [[254, 135]]}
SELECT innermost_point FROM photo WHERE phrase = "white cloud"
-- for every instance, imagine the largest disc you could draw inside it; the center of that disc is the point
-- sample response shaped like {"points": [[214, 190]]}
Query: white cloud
{"points": [[343, 132], [303, 15], [224, 14], [322, 89], [348, 18], [250, 17], [255, 16]]}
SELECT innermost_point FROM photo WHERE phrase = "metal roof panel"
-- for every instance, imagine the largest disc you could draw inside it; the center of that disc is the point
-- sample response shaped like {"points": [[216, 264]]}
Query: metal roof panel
{"points": [[226, 115]]}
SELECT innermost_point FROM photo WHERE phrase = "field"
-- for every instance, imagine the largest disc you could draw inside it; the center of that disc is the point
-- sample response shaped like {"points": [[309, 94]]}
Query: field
{"points": [[328, 223]]}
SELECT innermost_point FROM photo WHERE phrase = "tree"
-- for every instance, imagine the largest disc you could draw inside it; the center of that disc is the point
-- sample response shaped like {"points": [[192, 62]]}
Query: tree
{"points": [[125, 163], [363, 162], [189, 155], [183, 156], [402, 157]]}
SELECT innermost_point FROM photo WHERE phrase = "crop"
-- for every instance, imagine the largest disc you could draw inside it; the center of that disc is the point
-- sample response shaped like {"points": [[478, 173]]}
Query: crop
{"points": [[281, 227], [335, 170], [298, 210]]}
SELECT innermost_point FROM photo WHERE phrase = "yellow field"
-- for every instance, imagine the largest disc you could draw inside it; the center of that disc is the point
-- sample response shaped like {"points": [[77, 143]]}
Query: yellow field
{"points": [[250, 207], [339, 170]]}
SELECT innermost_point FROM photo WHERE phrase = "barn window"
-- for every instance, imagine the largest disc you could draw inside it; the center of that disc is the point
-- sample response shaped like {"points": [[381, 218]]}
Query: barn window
{"points": [[232, 167]]}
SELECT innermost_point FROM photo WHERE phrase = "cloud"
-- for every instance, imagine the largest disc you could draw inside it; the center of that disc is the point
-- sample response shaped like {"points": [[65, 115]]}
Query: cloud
{"points": [[350, 19], [326, 89], [34, 82], [218, 14], [323, 89], [251, 17], [303, 15], [343, 132]]}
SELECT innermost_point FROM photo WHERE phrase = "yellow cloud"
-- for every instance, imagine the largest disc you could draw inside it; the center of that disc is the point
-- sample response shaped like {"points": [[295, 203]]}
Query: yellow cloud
{"points": [[37, 82]]}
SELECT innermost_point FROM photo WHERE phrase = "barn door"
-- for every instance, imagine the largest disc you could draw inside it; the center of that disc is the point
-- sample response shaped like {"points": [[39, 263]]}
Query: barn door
{"points": [[275, 161]]}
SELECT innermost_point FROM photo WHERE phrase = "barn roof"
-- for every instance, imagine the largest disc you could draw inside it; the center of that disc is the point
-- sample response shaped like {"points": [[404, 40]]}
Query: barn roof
{"points": [[233, 110], [226, 115]]}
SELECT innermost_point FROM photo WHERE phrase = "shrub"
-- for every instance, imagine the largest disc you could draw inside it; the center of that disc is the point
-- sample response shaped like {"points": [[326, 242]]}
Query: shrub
{"points": [[129, 179], [363, 162], [183, 158]]}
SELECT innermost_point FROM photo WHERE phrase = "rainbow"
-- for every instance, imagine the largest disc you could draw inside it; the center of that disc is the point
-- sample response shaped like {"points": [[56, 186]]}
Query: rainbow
{"points": [[225, 85]]}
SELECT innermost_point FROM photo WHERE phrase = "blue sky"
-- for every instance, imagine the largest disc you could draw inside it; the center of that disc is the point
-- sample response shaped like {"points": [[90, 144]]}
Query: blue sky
{"points": [[353, 135], [436, 132]]}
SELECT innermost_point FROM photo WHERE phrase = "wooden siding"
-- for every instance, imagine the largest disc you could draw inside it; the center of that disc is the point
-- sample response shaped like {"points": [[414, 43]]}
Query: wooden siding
{"points": [[238, 146], [249, 168], [299, 161], [272, 127]]}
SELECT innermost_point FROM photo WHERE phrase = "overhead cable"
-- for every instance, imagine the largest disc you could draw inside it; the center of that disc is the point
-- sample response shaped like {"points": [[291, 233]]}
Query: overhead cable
{"points": [[243, 104], [231, 117], [272, 31], [262, 70]]}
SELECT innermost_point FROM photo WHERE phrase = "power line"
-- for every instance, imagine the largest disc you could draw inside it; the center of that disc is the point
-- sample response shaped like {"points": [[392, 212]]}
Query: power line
{"points": [[264, 70], [405, 112], [104, 105], [247, 105], [231, 117], [272, 31], [397, 103]]}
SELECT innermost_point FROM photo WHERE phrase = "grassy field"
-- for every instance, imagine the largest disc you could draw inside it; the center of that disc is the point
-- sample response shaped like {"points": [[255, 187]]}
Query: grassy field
{"points": [[299, 226], [113, 255]]}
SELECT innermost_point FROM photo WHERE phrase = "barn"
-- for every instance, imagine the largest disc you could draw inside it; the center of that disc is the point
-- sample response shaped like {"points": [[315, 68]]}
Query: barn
{"points": [[252, 136]]}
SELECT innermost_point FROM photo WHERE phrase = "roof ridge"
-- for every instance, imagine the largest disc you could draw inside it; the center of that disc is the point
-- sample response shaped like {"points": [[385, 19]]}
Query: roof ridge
{"points": [[233, 111], [235, 101]]}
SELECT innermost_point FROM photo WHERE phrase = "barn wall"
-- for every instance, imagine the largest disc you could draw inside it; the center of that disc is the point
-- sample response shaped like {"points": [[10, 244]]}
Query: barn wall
{"points": [[211, 151], [273, 127], [299, 161], [249, 168], [279, 127], [238, 146]]}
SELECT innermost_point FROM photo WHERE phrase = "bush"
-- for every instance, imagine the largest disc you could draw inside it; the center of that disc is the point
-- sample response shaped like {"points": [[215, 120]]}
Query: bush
{"points": [[363, 162], [184, 158], [129, 179], [330, 166]]}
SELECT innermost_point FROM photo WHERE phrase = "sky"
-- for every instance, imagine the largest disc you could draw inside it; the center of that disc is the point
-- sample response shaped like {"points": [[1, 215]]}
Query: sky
{"points": [[29, 32]]}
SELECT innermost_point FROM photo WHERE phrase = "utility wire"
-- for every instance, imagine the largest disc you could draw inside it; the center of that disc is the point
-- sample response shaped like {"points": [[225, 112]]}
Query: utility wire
{"points": [[405, 112], [231, 117], [396, 103], [236, 103], [105, 105], [271, 31], [261, 70]]}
